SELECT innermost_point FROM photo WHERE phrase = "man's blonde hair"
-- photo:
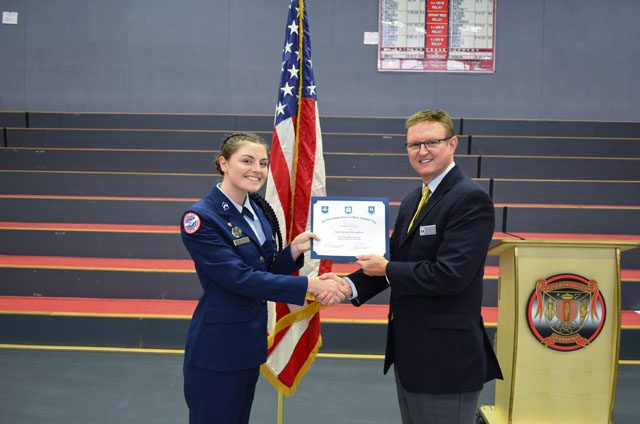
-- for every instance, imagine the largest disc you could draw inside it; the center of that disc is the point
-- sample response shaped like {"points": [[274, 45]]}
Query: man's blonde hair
{"points": [[429, 115]]}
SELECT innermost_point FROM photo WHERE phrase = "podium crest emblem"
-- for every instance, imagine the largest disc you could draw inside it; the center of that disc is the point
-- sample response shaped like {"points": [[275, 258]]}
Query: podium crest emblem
{"points": [[566, 312]]}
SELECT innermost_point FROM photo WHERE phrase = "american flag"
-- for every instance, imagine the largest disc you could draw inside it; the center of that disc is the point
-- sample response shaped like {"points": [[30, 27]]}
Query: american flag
{"points": [[296, 173]]}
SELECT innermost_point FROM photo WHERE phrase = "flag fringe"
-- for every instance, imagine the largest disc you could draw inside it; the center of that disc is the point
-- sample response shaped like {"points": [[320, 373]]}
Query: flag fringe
{"points": [[279, 385], [293, 317]]}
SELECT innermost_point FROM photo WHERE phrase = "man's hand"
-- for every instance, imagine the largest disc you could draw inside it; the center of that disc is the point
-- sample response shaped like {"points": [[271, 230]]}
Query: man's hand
{"points": [[373, 265], [328, 298]]}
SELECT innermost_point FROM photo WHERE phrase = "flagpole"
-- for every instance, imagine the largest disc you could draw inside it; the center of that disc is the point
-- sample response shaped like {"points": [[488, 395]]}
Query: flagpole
{"points": [[300, 81], [280, 408]]}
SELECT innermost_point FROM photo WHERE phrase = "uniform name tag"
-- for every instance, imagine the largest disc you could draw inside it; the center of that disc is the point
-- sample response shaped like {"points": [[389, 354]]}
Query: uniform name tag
{"points": [[241, 241], [427, 230]]}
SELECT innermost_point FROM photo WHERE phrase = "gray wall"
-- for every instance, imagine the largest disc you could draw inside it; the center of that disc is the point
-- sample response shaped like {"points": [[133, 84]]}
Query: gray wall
{"points": [[556, 59]]}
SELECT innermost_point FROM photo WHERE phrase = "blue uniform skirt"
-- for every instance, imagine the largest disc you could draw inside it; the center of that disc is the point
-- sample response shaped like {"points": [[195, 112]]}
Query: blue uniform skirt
{"points": [[221, 397]]}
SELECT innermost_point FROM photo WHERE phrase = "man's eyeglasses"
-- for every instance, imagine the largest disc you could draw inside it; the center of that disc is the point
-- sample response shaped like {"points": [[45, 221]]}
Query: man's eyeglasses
{"points": [[430, 144]]}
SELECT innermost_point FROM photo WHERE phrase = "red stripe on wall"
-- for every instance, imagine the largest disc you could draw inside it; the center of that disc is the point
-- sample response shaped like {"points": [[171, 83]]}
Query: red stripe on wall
{"points": [[61, 226], [179, 265], [181, 308]]}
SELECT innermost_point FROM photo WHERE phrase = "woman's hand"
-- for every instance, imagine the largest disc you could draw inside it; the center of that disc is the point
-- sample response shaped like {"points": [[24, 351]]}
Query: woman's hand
{"points": [[329, 289], [302, 243]]}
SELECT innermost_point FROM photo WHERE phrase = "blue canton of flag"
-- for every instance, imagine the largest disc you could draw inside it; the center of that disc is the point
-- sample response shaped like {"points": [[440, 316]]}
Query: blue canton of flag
{"points": [[290, 77]]}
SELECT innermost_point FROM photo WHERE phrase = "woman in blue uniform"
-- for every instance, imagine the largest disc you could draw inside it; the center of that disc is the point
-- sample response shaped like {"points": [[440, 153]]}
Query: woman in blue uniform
{"points": [[231, 236]]}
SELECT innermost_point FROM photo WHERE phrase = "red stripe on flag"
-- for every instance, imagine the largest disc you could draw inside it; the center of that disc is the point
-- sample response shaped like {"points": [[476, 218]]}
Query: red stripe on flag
{"points": [[325, 266], [303, 349], [280, 175], [276, 340], [282, 309], [306, 164]]}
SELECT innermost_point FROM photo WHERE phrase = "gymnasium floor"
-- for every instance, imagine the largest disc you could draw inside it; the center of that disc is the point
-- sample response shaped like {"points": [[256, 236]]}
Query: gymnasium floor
{"points": [[73, 387]]}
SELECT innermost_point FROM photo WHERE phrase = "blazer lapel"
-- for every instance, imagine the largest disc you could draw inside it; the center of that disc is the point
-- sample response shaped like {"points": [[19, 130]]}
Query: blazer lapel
{"points": [[433, 200], [414, 199]]}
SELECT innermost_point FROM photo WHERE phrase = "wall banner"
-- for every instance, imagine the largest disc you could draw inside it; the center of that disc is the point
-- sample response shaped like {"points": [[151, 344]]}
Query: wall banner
{"points": [[437, 36]]}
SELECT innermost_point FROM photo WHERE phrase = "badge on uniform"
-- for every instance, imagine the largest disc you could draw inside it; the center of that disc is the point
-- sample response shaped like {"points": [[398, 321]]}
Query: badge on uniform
{"points": [[241, 241], [191, 222], [237, 232], [225, 206], [427, 230]]}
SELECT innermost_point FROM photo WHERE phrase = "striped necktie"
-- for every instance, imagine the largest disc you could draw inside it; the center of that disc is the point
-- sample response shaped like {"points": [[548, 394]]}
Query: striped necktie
{"points": [[423, 200]]}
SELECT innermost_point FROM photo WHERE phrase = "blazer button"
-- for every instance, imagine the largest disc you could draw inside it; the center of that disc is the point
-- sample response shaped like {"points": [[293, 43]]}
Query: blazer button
{"points": [[262, 259]]}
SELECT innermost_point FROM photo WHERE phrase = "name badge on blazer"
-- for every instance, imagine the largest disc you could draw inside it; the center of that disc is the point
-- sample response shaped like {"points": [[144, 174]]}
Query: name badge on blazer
{"points": [[241, 241], [427, 230]]}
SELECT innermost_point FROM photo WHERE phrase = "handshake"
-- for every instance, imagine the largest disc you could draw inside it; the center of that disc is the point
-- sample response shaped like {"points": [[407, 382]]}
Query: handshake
{"points": [[329, 289]]}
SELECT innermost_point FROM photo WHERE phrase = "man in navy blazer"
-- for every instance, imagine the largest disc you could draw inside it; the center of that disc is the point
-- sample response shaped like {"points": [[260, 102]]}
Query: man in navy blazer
{"points": [[436, 338]]}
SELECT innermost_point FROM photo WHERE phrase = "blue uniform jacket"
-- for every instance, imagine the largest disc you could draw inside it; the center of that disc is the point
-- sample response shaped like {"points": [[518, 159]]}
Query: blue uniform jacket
{"points": [[228, 330]]}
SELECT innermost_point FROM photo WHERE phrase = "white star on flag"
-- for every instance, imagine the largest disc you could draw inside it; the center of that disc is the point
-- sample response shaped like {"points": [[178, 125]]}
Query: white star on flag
{"points": [[293, 72], [288, 89], [293, 27]]}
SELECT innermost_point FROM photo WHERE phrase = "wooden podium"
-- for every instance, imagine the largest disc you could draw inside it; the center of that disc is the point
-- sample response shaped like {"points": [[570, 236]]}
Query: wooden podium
{"points": [[558, 333]]}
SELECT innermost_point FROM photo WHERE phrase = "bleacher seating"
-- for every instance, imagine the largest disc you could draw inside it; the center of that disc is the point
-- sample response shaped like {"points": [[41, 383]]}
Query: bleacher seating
{"points": [[90, 252]]}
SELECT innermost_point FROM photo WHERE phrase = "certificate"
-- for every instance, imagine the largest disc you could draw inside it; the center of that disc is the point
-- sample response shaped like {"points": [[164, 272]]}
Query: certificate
{"points": [[349, 226]]}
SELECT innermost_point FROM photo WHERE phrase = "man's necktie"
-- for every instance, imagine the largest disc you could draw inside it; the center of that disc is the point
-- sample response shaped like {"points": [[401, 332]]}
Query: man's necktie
{"points": [[423, 200], [246, 212]]}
